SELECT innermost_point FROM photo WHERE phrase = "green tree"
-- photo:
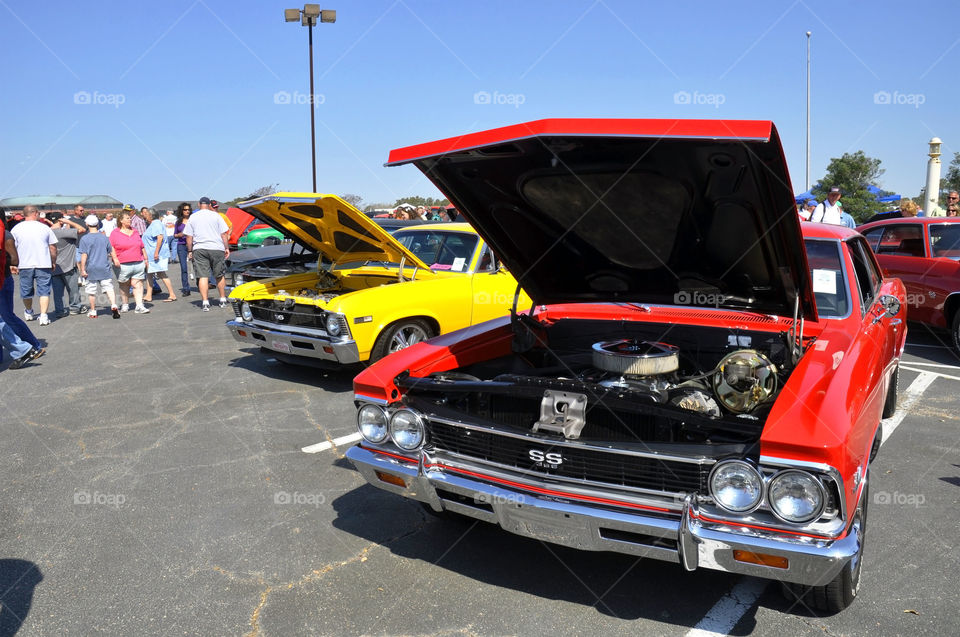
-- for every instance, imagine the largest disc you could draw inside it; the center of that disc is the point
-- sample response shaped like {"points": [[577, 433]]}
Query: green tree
{"points": [[421, 201], [852, 173], [951, 180]]}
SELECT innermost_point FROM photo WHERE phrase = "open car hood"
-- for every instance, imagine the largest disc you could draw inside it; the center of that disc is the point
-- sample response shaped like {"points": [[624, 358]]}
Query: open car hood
{"points": [[679, 212], [330, 226]]}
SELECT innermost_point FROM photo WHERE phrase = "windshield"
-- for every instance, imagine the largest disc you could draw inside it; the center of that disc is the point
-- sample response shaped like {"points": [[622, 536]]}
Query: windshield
{"points": [[440, 250], [826, 271], [945, 240]]}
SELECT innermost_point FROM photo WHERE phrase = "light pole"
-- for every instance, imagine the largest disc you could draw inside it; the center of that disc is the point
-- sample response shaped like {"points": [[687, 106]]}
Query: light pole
{"points": [[808, 110], [308, 18], [931, 199]]}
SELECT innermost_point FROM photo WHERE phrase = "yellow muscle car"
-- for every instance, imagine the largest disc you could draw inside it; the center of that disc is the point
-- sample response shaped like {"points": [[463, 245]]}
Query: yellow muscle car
{"points": [[373, 293]]}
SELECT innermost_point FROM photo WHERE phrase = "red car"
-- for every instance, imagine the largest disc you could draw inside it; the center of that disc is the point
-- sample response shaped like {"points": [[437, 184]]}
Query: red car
{"points": [[697, 382], [925, 253]]}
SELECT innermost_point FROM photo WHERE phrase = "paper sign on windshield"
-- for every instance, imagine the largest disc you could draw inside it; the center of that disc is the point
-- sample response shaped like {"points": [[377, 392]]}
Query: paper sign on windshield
{"points": [[825, 281]]}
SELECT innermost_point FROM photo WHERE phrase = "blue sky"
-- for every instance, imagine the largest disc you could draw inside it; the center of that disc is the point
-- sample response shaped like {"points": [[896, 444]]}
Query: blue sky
{"points": [[182, 98]]}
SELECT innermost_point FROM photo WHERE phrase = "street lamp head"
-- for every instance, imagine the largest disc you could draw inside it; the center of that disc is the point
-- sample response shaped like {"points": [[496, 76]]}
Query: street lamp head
{"points": [[328, 15], [311, 10], [291, 15], [808, 34]]}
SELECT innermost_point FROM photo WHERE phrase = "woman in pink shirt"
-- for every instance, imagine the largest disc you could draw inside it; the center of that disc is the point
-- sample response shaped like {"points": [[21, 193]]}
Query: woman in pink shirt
{"points": [[133, 262]]}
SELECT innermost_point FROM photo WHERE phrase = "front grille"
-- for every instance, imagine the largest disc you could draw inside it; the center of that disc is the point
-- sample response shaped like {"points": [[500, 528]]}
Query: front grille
{"points": [[296, 316], [616, 469]]}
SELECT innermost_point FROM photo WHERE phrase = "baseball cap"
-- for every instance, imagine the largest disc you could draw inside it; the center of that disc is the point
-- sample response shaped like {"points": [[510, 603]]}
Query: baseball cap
{"points": [[92, 220], [128, 207], [812, 202], [205, 200], [835, 190], [214, 204], [53, 216]]}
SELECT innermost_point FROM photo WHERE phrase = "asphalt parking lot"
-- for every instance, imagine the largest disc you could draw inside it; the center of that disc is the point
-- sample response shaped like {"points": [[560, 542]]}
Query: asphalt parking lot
{"points": [[153, 481]]}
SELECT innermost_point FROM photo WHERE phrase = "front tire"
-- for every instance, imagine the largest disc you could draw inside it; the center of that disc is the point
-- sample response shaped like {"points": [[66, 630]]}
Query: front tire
{"points": [[400, 335], [955, 330], [890, 405], [840, 592]]}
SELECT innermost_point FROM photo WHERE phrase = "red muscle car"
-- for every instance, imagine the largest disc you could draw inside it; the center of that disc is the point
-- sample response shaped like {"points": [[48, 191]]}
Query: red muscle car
{"points": [[924, 252], [697, 381]]}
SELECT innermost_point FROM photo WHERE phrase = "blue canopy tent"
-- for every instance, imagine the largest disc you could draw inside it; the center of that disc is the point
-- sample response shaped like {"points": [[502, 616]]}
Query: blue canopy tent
{"points": [[876, 192]]}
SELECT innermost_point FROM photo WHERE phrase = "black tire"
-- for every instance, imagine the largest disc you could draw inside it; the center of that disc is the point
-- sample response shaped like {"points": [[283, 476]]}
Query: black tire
{"points": [[955, 330], [890, 405], [840, 592], [400, 335], [271, 241]]}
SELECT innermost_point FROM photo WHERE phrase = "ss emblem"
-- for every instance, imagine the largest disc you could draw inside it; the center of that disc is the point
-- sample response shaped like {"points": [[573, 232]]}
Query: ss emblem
{"points": [[544, 458]]}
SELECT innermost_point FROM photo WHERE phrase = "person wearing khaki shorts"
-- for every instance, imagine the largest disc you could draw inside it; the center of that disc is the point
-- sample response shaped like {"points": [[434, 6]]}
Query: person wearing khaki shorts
{"points": [[207, 244]]}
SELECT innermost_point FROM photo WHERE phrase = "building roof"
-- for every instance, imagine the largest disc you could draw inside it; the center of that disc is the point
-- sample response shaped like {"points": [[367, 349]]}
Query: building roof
{"points": [[61, 200], [173, 204]]}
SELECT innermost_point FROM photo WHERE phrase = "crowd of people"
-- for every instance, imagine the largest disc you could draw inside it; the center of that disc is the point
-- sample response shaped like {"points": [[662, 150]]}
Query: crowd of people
{"points": [[60, 253], [831, 210]]}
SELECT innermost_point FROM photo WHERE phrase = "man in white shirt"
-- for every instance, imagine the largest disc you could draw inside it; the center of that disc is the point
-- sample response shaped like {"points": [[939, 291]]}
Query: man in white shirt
{"points": [[208, 237], [108, 224], [829, 211], [169, 222], [37, 247]]}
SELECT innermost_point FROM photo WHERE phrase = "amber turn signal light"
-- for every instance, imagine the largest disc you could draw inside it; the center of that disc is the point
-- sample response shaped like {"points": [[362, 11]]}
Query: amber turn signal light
{"points": [[391, 479], [762, 559]]}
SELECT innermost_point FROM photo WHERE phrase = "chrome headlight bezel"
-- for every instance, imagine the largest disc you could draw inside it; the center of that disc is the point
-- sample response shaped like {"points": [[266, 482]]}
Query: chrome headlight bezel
{"points": [[815, 486], [748, 471], [404, 422], [245, 312], [384, 429], [333, 325]]}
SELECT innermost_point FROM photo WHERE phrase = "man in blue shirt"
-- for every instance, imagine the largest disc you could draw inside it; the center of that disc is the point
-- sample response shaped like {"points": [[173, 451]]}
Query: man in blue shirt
{"points": [[96, 255]]}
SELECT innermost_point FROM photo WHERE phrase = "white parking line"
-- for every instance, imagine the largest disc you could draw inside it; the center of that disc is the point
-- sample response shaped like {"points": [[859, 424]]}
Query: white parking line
{"points": [[916, 388], [930, 364], [323, 446], [730, 609], [924, 371]]}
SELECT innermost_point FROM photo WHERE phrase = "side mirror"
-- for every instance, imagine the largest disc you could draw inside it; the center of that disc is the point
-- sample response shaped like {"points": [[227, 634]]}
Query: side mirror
{"points": [[890, 304]]}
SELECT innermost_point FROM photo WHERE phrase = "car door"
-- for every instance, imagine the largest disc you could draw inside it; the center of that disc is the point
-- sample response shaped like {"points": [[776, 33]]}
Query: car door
{"points": [[941, 277], [493, 288], [901, 253], [879, 334]]}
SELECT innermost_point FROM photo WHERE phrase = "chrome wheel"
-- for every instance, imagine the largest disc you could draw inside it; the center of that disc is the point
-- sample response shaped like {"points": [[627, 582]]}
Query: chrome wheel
{"points": [[406, 336]]}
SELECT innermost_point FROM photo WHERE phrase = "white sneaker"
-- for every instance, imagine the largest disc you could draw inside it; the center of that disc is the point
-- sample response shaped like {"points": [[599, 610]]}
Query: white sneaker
{"points": [[141, 310], [206, 306], [44, 319], [223, 303], [125, 307], [28, 315]]}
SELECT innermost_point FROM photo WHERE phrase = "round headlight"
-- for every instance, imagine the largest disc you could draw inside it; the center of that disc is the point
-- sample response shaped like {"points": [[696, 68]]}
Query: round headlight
{"points": [[406, 429], [736, 486], [333, 325], [238, 279], [372, 423], [245, 312], [795, 496]]}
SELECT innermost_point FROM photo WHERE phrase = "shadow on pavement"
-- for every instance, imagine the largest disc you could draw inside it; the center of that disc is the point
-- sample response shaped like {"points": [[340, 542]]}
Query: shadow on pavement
{"points": [[18, 579], [617, 585], [332, 379]]}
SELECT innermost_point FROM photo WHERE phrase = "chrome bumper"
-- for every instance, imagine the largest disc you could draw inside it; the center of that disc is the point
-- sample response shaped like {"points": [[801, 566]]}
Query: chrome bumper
{"points": [[682, 538], [310, 346]]}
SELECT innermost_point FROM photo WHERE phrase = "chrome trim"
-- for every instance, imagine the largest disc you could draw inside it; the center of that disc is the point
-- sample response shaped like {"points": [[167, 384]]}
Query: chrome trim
{"points": [[418, 419], [371, 399], [344, 351], [816, 480], [748, 510], [668, 499], [684, 539], [574, 444], [813, 467]]}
